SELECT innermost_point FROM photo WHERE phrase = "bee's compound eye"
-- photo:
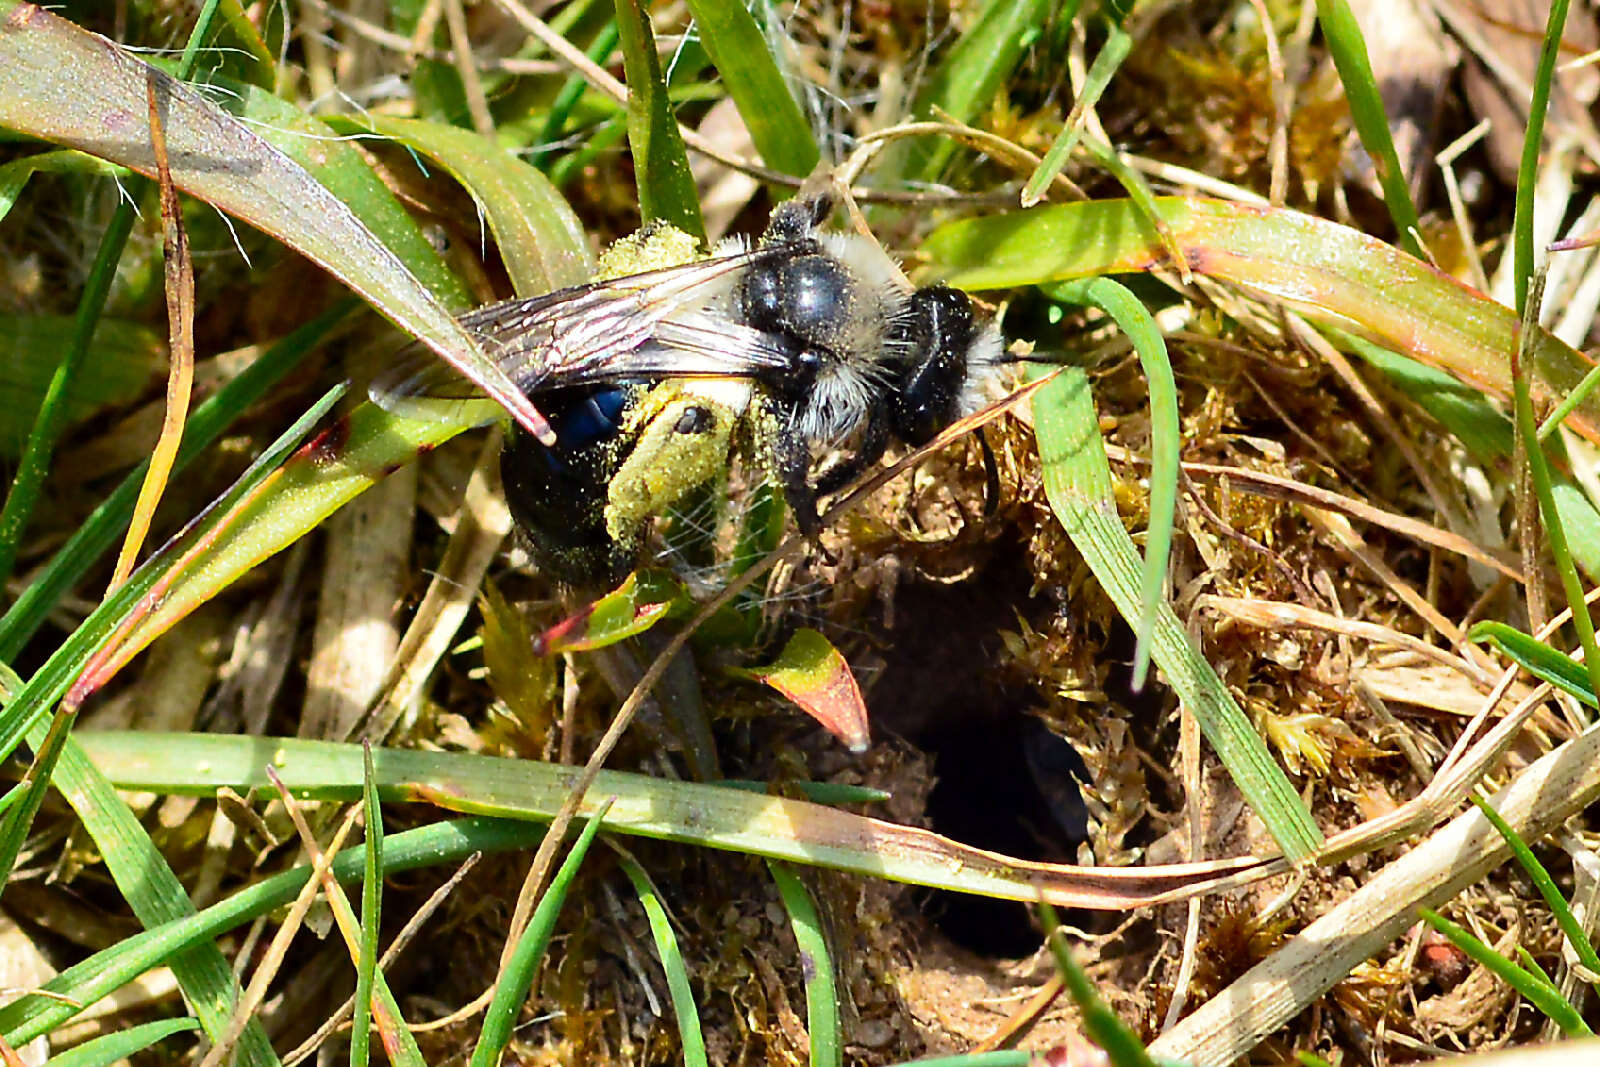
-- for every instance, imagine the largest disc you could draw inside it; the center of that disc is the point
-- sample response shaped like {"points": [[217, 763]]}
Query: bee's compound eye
{"points": [[695, 420]]}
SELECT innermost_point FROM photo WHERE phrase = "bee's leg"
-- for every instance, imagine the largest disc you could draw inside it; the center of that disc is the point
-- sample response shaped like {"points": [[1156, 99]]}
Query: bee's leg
{"points": [[991, 477], [874, 440], [791, 469]]}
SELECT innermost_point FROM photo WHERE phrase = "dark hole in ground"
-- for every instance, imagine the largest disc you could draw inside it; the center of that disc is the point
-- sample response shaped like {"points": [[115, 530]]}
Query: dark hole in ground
{"points": [[1005, 782], [1009, 786]]}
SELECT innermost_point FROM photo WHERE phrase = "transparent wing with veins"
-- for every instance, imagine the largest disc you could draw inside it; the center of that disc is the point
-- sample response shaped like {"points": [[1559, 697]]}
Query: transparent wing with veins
{"points": [[673, 322]]}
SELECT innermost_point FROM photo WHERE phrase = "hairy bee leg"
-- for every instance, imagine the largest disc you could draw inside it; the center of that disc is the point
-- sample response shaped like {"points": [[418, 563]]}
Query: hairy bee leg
{"points": [[874, 441], [791, 469]]}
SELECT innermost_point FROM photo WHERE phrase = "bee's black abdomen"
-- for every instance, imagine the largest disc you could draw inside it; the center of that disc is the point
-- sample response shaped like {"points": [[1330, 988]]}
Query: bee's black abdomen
{"points": [[596, 418], [558, 495], [937, 330]]}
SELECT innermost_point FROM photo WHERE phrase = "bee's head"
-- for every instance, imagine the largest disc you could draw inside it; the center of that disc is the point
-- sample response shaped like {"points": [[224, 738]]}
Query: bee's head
{"points": [[949, 352], [797, 219]]}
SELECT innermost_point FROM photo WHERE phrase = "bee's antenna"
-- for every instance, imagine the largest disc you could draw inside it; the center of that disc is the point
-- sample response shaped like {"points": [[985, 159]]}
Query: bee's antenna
{"points": [[1046, 358]]}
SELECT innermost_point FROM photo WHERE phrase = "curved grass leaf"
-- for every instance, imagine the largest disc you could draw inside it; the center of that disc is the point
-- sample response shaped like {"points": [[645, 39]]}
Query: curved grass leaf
{"points": [[1117, 45], [1165, 438], [1349, 51], [1328, 271], [75, 657], [816, 965], [516, 978], [678, 987], [751, 74], [1532, 147], [731, 819], [660, 161], [1077, 481], [83, 984], [1537, 989], [1537, 658], [539, 238], [120, 1045]]}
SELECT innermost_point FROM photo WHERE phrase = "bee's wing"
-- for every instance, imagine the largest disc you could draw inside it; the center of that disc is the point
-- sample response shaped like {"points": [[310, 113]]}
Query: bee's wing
{"points": [[658, 323]]}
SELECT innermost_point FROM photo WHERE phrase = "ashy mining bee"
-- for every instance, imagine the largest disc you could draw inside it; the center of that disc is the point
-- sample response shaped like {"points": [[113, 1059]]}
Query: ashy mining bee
{"points": [[651, 381]]}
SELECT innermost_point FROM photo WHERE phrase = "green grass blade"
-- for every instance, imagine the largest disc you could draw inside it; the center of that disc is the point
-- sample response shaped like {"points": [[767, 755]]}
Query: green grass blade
{"points": [[1100, 1023], [1116, 300], [678, 987], [52, 415], [1117, 45], [572, 90], [816, 963], [750, 72], [1532, 145], [1576, 936], [516, 978], [1537, 658], [105, 524], [114, 1047], [538, 235], [729, 819], [75, 655], [1078, 483], [1330, 272], [966, 81], [1569, 404], [660, 161], [1539, 472], [1536, 989], [197, 36], [73, 990], [155, 895], [371, 915], [1349, 51]]}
